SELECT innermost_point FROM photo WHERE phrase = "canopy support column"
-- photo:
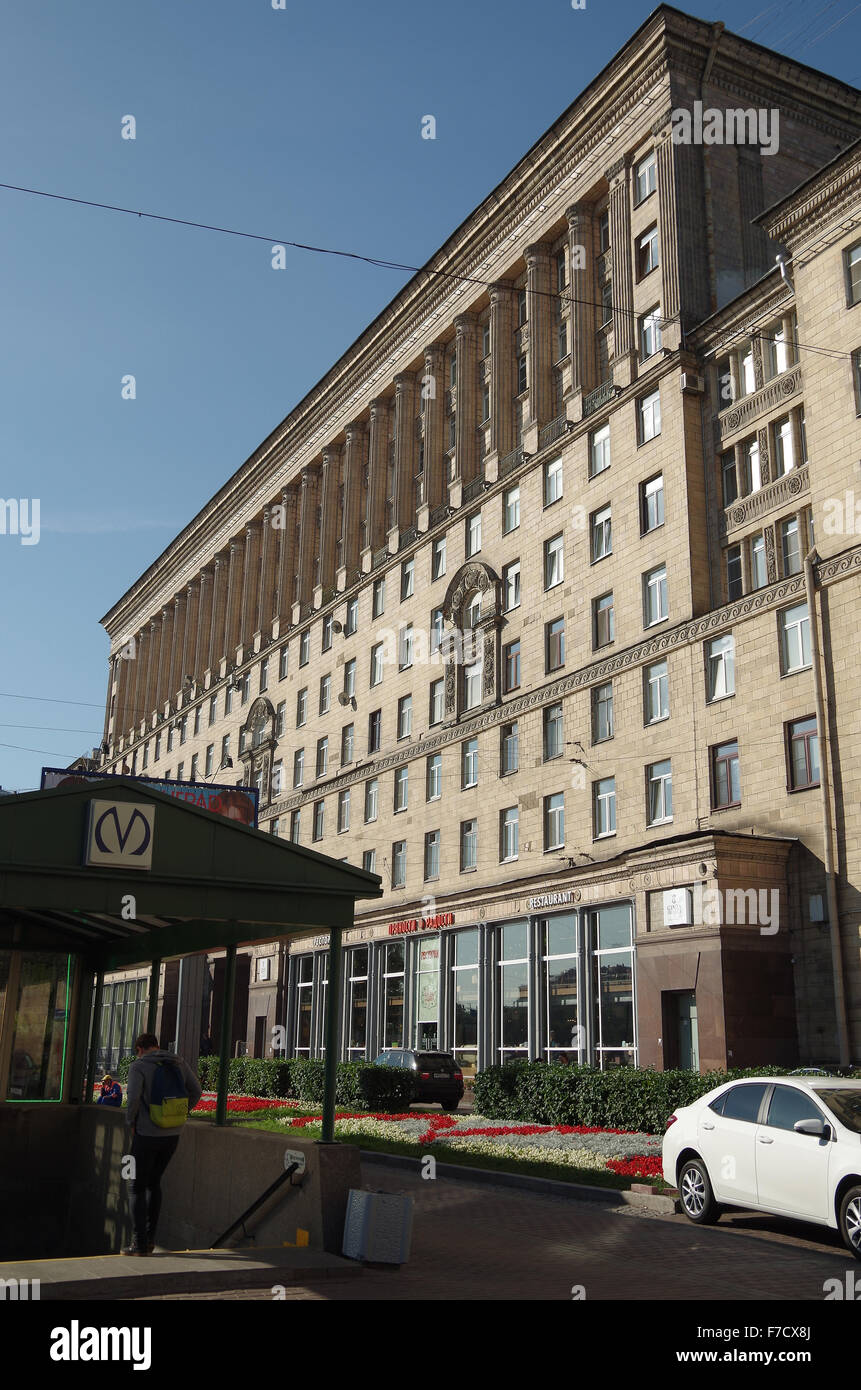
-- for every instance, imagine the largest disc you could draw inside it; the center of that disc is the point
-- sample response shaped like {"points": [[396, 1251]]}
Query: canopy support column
{"points": [[333, 1001], [94, 1037], [82, 1018], [152, 1001], [226, 1034]]}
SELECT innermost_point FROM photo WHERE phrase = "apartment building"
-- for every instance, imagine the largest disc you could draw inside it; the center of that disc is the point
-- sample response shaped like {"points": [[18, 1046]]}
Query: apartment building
{"points": [[513, 611]]}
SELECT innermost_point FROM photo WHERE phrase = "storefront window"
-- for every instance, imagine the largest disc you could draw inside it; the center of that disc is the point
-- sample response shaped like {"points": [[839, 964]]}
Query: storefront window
{"points": [[514, 991], [559, 948], [393, 995], [40, 1028], [124, 1007], [324, 991], [358, 1004], [304, 1004], [613, 959], [427, 994], [465, 990]]}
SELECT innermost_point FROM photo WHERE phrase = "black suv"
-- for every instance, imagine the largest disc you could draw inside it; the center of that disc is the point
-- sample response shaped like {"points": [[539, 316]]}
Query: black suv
{"points": [[437, 1074]]}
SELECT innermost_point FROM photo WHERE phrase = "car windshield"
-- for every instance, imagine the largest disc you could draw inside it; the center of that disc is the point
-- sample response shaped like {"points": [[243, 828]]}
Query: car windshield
{"points": [[845, 1104]]}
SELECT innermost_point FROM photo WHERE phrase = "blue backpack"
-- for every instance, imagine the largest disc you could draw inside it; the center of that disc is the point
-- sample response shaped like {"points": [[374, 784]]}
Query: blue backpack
{"points": [[168, 1100]]}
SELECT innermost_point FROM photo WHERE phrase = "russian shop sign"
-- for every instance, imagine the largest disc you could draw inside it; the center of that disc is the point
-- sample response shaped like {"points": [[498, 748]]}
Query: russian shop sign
{"points": [[411, 924], [234, 803], [120, 835]]}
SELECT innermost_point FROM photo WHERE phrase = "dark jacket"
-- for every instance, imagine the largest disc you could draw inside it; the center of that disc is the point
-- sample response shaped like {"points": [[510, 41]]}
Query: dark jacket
{"points": [[140, 1090]]}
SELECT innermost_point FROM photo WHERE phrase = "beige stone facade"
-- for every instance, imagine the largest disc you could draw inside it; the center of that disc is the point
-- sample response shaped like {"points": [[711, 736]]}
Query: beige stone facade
{"points": [[585, 450]]}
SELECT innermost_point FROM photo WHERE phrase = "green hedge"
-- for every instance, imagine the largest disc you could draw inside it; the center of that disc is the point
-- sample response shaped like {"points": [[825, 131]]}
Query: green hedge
{"points": [[623, 1098], [360, 1085]]}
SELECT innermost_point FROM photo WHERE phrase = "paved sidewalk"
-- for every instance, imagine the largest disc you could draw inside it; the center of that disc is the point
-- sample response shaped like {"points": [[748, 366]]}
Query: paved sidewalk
{"points": [[478, 1242]]}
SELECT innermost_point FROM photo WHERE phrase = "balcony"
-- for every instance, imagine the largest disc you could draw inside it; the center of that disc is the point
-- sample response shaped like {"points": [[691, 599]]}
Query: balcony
{"points": [[548, 434], [602, 395], [473, 489], [511, 462]]}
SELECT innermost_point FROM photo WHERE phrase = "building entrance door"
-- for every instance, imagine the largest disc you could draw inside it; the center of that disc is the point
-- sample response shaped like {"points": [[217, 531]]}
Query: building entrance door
{"points": [[687, 1031], [260, 1035]]}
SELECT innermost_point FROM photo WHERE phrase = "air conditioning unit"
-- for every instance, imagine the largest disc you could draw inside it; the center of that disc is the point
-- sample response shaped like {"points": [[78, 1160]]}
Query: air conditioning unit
{"points": [[692, 381]]}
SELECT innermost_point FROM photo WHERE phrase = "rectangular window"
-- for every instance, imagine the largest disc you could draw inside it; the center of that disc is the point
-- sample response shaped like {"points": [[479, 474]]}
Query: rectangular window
{"points": [[802, 747], [752, 466], [399, 864], [369, 861], [734, 578], [377, 663], [402, 781], [197, 713], [748, 373], [301, 707], [647, 177], [510, 751], [325, 694], [729, 478], [652, 504], [600, 528], [437, 699], [295, 826], [348, 738], [405, 647], [649, 417], [280, 718], [720, 667], [554, 737], [552, 481], [193, 772], [726, 782], [305, 648], [436, 629], [758, 568], [647, 253], [351, 617], [856, 380], [794, 630], [554, 821], [510, 510], [604, 807], [603, 624], [508, 833], [485, 403], [298, 767], [522, 376], [432, 839], [372, 796], [599, 450], [656, 692], [157, 752], [790, 546], [379, 598], [469, 763], [283, 660], [322, 756], [277, 779], [375, 726], [603, 231], [408, 576], [472, 674], [405, 716], [225, 751], [659, 792], [350, 677], [213, 709], [228, 700], [319, 820], [468, 845], [602, 712], [209, 764], [784, 448], [650, 333], [473, 534], [554, 561], [326, 634], [511, 585], [433, 777], [438, 558], [655, 596], [853, 274], [554, 644], [511, 666]]}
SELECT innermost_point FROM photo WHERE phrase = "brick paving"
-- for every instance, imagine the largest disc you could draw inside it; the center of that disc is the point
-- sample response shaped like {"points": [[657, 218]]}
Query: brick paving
{"points": [[477, 1241]]}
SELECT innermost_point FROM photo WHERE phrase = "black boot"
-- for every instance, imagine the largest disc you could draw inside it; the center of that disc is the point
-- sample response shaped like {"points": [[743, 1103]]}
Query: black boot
{"points": [[136, 1248]]}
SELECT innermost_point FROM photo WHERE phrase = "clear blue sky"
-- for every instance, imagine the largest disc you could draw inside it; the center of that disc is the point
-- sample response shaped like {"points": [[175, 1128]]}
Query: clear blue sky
{"points": [[301, 124]]}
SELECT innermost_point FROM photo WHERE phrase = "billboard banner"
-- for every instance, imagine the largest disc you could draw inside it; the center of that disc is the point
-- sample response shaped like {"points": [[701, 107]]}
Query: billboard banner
{"points": [[235, 803]]}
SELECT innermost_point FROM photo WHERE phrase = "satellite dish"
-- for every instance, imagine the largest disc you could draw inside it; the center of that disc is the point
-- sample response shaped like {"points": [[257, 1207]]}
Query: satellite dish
{"points": [[337, 627], [343, 698]]}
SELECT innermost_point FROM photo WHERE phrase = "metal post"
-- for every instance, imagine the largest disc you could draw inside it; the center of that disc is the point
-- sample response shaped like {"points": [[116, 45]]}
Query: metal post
{"points": [[94, 1040], [333, 1002], [152, 1001], [80, 1008], [226, 1032]]}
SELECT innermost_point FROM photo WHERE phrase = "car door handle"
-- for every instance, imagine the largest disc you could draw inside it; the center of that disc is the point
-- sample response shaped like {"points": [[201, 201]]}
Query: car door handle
{"points": [[763, 1139], [706, 1125]]}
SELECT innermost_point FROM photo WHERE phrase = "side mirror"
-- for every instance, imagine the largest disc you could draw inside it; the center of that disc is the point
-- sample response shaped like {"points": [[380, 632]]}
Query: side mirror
{"points": [[818, 1128]]}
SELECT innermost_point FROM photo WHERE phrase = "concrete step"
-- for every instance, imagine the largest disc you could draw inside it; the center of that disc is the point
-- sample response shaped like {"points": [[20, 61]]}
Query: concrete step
{"points": [[172, 1271]]}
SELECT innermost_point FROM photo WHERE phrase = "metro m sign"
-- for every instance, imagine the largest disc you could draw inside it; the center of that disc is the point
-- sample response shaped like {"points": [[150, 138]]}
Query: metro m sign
{"points": [[120, 835]]}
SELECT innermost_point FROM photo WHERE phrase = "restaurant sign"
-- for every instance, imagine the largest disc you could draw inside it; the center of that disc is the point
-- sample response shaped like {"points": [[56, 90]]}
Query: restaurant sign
{"points": [[412, 924]]}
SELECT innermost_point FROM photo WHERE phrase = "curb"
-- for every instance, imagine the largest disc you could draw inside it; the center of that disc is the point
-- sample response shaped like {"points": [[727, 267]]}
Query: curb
{"points": [[548, 1187]]}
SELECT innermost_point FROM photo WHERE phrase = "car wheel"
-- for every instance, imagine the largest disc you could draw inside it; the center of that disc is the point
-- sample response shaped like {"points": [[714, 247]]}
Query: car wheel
{"points": [[850, 1221], [695, 1190], [449, 1104]]}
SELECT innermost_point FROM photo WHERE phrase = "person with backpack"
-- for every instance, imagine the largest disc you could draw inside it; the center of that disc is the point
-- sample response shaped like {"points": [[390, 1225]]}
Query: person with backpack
{"points": [[162, 1089]]}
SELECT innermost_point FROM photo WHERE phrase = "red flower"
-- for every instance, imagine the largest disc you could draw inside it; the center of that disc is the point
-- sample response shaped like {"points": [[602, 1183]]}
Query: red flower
{"points": [[642, 1166]]}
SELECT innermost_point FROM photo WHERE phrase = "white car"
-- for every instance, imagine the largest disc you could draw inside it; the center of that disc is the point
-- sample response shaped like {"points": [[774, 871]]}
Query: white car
{"points": [[789, 1145]]}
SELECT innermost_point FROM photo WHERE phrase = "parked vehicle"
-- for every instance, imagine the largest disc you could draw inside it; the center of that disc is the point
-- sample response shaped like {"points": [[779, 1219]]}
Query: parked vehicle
{"points": [[787, 1145], [438, 1075]]}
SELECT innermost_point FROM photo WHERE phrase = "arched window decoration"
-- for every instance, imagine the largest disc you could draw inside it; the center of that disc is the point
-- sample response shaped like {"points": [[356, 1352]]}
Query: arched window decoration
{"points": [[472, 607], [257, 745]]}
